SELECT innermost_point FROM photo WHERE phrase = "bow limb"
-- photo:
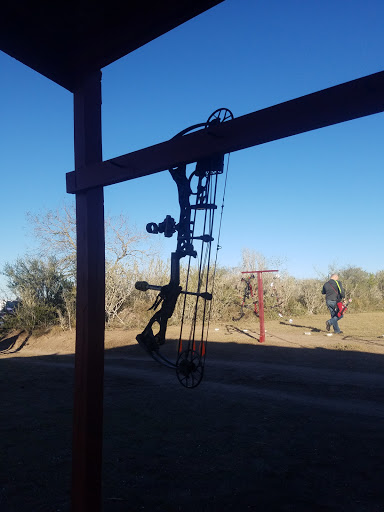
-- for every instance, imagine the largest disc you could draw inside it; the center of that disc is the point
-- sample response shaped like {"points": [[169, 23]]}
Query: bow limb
{"points": [[168, 296]]}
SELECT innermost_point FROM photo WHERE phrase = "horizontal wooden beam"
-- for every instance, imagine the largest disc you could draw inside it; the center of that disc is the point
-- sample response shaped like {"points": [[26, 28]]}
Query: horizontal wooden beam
{"points": [[344, 102]]}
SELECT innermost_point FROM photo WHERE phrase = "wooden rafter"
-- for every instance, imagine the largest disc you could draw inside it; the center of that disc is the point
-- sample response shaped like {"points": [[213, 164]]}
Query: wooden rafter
{"points": [[344, 102]]}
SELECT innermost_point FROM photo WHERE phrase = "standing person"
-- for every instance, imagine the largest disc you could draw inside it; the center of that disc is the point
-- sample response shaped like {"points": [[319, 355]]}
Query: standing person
{"points": [[334, 293]]}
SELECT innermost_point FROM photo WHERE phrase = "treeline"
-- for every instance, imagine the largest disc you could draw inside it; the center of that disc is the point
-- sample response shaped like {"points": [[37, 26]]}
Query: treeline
{"points": [[45, 282]]}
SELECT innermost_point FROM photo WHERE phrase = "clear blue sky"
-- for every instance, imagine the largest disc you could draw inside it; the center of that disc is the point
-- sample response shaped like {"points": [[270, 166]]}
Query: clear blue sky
{"points": [[312, 200]]}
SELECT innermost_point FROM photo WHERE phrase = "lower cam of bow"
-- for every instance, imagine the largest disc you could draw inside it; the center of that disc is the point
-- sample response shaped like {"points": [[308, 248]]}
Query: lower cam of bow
{"points": [[197, 200]]}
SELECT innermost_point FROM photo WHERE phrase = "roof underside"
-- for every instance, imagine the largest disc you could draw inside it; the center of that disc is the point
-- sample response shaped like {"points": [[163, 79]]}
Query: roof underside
{"points": [[66, 41]]}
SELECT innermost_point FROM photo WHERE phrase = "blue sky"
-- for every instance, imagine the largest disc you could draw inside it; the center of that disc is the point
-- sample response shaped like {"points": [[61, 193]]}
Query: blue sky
{"points": [[310, 201]]}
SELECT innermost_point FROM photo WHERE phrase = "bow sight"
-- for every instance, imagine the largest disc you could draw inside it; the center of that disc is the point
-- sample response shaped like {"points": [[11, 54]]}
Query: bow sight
{"points": [[201, 186]]}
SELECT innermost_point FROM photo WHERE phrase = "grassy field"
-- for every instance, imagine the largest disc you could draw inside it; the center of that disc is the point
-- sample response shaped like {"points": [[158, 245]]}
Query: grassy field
{"points": [[294, 424]]}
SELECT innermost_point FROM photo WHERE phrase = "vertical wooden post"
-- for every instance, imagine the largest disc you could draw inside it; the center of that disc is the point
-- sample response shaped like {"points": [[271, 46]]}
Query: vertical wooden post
{"points": [[90, 307]]}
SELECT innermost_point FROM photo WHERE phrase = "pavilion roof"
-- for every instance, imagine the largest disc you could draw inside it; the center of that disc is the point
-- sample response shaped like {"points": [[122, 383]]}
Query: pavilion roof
{"points": [[66, 41]]}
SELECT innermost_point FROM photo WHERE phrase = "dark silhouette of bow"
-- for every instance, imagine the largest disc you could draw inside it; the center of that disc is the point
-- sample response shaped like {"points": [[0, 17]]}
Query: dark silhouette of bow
{"points": [[248, 295], [201, 187]]}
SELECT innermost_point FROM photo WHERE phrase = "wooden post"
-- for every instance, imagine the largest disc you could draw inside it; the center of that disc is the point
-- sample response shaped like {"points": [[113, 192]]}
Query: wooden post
{"points": [[90, 307]]}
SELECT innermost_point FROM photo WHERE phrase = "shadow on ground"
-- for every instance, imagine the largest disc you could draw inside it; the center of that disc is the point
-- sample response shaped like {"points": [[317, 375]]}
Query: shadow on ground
{"points": [[270, 428], [11, 344]]}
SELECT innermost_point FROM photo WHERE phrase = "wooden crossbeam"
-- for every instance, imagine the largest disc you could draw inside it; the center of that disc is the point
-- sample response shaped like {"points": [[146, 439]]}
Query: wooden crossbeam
{"points": [[351, 100]]}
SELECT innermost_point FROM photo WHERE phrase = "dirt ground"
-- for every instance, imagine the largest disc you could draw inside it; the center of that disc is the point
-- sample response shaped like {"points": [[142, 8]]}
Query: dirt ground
{"points": [[293, 424]]}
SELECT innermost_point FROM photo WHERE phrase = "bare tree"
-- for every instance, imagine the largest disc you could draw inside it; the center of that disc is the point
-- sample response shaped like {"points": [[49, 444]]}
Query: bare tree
{"points": [[252, 260], [119, 284], [122, 240], [40, 287], [311, 296], [56, 232]]}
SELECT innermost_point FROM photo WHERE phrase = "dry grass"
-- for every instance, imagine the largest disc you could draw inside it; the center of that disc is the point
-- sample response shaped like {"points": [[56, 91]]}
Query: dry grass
{"points": [[291, 425]]}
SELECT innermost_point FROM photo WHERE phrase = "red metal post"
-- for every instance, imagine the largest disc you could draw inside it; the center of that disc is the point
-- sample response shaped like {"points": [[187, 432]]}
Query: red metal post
{"points": [[260, 292]]}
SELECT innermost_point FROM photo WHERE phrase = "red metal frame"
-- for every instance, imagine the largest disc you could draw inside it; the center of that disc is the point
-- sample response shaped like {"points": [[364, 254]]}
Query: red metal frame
{"points": [[260, 291]]}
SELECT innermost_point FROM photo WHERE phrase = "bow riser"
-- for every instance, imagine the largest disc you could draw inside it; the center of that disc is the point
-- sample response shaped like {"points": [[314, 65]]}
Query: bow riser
{"points": [[202, 185]]}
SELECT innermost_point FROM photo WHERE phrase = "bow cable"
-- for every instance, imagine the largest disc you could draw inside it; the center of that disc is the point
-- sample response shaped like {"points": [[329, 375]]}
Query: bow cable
{"points": [[218, 247], [204, 265]]}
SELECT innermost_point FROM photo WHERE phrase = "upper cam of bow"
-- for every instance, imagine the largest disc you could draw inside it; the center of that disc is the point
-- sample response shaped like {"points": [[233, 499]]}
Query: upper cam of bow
{"points": [[190, 362]]}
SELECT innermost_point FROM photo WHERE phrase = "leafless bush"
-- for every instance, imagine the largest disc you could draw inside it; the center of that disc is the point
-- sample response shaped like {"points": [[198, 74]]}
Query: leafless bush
{"points": [[56, 232], [67, 317], [119, 283], [310, 296], [363, 288], [225, 302]]}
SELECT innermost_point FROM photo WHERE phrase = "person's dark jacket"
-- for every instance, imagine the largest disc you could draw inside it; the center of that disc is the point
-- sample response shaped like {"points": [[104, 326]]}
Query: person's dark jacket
{"points": [[331, 291]]}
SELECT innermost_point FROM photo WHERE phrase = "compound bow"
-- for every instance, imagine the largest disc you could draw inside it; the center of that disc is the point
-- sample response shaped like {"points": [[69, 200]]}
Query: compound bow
{"points": [[247, 295], [189, 364], [249, 299]]}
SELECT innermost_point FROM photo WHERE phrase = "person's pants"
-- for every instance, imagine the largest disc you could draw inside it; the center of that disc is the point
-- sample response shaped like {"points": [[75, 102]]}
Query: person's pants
{"points": [[333, 309]]}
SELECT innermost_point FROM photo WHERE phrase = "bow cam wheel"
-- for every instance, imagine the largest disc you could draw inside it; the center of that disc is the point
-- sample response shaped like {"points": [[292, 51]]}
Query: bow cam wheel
{"points": [[189, 368], [219, 116]]}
